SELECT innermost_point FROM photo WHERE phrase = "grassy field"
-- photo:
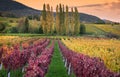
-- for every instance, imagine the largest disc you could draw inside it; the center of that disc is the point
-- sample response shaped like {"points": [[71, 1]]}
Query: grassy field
{"points": [[21, 34], [115, 29], [9, 21], [6, 19], [14, 73], [56, 68], [14, 21], [102, 29], [91, 29]]}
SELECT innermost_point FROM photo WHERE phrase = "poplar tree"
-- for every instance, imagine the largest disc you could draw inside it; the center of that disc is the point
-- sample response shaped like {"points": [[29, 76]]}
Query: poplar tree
{"points": [[57, 20], [60, 18], [52, 21], [76, 22], [72, 22], [63, 21], [48, 20], [43, 19], [67, 21], [26, 26], [64, 24]]}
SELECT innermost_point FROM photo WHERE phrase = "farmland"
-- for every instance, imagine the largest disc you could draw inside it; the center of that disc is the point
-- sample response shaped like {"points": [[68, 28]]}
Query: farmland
{"points": [[105, 49], [59, 38], [43, 55], [91, 29], [47, 56]]}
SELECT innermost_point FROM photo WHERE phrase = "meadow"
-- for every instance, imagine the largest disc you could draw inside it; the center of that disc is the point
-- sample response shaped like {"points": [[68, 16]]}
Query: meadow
{"points": [[99, 30]]}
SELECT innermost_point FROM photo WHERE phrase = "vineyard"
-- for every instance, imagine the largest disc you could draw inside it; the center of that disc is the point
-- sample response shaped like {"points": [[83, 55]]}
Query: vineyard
{"points": [[115, 29], [105, 49], [59, 57]]}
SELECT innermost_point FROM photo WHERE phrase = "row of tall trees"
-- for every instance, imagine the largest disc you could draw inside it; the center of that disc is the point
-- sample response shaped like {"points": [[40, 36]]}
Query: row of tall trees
{"points": [[66, 22], [47, 19]]}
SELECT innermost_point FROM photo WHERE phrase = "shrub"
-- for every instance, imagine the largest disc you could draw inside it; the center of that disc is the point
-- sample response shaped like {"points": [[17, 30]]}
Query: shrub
{"points": [[11, 21], [82, 29], [40, 30], [2, 27], [13, 30]]}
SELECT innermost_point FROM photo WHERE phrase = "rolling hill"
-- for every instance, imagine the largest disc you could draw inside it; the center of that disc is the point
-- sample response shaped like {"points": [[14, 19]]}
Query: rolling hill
{"points": [[86, 18], [14, 9]]}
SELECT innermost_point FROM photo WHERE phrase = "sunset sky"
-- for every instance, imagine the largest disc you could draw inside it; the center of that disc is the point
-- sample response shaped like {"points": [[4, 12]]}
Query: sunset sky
{"points": [[105, 9]]}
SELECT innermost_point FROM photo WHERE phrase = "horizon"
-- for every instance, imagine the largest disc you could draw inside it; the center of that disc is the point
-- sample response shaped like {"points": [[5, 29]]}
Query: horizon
{"points": [[100, 8]]}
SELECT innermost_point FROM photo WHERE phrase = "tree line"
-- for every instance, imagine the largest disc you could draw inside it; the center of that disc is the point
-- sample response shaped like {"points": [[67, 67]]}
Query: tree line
{"points": [[64, 22]]}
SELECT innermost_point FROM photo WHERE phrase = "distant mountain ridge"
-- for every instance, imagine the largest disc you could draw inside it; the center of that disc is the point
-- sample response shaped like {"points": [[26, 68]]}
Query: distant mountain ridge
{"points": [[10, 7], [86, 18], [109, 22], [15, 8]]}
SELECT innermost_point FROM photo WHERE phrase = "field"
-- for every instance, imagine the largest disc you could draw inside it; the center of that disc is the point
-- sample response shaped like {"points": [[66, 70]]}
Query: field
{"points": [[15, 22], [115, 29], [32, 54], [59, 56], [105, 49], [102, 29], [91, 29], [61, 39]]}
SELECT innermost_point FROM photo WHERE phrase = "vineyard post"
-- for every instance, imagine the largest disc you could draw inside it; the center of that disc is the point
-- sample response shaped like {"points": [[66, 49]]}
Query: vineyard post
{"points": [[1, 66], [69, 69], [63, 59], [23, 69], [66, 63], [8, 74]]}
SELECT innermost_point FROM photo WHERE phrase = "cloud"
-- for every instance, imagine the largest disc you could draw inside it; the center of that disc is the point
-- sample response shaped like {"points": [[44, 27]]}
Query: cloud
{"points": [[92, 5], [97, 9], [112, 5], [115, 5]]}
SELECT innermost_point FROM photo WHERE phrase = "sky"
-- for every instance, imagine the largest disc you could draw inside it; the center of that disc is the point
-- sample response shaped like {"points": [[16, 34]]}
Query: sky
{"points": [[105, 9]]}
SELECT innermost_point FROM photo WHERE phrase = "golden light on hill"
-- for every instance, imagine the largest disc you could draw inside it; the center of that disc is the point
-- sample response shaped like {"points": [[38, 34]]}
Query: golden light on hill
{"points": [[105, 9]]}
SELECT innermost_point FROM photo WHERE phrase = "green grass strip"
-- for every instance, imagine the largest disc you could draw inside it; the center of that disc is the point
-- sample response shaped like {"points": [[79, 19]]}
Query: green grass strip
{"points": [[56, 68], [13, 73]]}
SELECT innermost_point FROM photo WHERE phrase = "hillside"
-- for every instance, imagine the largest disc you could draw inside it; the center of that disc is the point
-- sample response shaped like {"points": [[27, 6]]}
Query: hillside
{"points": [[14, 9], [86, 18]]}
